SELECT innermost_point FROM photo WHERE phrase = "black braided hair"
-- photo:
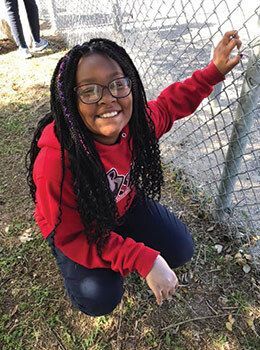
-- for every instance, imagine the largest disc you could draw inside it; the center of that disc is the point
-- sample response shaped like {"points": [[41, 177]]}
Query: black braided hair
{"points": [[96, 202]]}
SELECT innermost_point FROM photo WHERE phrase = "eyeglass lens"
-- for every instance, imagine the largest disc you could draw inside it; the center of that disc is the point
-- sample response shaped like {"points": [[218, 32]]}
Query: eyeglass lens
{"points": [[118, 88]]}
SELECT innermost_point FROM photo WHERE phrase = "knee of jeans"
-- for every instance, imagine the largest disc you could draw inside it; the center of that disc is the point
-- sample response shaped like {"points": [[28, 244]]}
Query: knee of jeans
{"points": [[95, 300], [184, 253]]}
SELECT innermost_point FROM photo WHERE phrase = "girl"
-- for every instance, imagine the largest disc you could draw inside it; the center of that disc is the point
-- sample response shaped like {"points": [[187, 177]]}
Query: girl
{"points": [[95, 174]]}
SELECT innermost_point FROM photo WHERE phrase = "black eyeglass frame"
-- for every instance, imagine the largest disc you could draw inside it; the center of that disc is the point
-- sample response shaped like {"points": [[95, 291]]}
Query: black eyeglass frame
{"points": [[103, 87]]}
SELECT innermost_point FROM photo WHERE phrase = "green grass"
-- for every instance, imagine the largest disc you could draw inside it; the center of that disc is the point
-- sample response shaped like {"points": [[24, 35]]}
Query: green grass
{"points": [[239, 299]]}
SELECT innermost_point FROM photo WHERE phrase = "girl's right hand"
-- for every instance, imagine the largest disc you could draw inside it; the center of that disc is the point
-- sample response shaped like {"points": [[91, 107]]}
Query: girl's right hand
{"points": [[162, 280], [221, 56]]}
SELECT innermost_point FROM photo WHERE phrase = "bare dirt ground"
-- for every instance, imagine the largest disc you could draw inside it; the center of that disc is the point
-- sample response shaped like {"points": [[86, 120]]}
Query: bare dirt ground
{"points": [[215, 308]]}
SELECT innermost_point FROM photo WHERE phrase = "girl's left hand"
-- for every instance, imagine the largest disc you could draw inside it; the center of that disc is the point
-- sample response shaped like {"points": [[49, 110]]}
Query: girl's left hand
{"points": [[221, 56]]}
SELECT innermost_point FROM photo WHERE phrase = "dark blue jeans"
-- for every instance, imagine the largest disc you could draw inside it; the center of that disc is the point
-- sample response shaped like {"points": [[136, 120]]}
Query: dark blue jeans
{"points": [[15, 22], [97, 292]]}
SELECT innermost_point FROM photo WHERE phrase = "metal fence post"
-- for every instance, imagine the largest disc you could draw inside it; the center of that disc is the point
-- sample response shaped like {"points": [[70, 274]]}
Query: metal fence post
{"points": [[250, 94], [52, 10], [117, 16]]}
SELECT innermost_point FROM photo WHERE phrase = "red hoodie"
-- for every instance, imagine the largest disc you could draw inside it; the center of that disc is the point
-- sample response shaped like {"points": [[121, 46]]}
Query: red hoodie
{"points": [[122, 255]]}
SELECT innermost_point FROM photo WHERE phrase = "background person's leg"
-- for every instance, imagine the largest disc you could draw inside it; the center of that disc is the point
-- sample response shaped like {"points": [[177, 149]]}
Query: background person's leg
{"points": [[15, 23], [39, 44], [158, 228], [33, 18], [95, 292]]}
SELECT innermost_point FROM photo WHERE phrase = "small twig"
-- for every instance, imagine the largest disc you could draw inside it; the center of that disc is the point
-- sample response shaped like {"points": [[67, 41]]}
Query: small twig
{"points": [[211, 308], [185, 301], [215, 270], [192, 320], [182, 285], [58, 339], [119, 325], [205, 255], [4, 281]]}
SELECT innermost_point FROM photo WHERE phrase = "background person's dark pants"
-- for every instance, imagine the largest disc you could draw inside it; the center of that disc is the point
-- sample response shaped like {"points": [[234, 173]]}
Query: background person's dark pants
{"points": [[15, 22], [97, 292]]}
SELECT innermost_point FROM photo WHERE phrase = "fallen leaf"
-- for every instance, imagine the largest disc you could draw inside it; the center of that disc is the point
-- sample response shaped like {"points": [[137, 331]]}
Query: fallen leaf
{"points": [[231, 319], [238, 256], [15, 87], [29, 230], [26, 236], [248, 257], [229, 326], [218, 248], [246, 268], [250, 322], [239, 259]]}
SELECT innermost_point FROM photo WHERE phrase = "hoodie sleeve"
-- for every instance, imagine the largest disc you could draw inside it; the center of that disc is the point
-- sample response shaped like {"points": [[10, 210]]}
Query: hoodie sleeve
{"points": [[181, 99], [121, 255]]}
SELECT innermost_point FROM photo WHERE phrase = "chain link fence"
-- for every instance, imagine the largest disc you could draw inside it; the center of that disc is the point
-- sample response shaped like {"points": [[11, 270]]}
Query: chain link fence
{"points": [[217, 150]]}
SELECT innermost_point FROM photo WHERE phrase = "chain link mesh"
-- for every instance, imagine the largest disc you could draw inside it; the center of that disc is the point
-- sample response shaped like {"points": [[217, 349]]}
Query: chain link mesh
{"points": [[218, 148]]}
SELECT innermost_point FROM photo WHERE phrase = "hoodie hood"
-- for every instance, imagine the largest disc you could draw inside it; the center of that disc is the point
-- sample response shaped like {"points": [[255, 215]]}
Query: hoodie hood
{"points": [[48, 138]]}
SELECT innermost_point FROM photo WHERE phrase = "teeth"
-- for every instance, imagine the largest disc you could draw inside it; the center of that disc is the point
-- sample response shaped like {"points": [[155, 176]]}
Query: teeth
{"points": [[108, 115]]}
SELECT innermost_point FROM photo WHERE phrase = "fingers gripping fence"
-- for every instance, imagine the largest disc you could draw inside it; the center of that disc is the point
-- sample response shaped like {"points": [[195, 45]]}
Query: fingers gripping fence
{"points": [[217, 150]]}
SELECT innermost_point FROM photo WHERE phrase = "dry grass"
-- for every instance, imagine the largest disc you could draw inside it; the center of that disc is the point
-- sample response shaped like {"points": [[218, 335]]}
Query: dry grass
{"points": [[35, 314]]}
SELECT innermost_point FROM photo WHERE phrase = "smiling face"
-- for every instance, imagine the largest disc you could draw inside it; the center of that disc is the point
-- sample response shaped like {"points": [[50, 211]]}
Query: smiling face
{"points": [[107, 117]]}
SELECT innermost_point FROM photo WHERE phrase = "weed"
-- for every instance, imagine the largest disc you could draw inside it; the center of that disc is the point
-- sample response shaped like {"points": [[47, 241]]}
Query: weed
{"points": [[220, 342], [239, 299], [11, 339]]}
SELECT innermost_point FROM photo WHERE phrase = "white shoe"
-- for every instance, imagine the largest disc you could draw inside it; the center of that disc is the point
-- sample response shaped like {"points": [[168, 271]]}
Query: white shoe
{"points": [[39, 46], [24, 53]]}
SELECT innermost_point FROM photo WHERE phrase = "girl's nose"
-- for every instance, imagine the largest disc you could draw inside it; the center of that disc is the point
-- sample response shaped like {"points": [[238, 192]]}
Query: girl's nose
{"points": [[106, 96]]}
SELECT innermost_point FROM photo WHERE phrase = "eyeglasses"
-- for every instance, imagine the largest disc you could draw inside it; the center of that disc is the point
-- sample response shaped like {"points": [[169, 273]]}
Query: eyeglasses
{"points": [[92, 93]]}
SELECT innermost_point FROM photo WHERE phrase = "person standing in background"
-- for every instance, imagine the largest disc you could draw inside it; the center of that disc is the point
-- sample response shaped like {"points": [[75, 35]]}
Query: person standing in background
{"points": [[17, 29]]}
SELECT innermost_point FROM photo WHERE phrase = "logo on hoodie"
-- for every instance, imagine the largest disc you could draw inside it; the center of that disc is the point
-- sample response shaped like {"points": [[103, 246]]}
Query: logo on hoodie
{"points": [[119, 184]]}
